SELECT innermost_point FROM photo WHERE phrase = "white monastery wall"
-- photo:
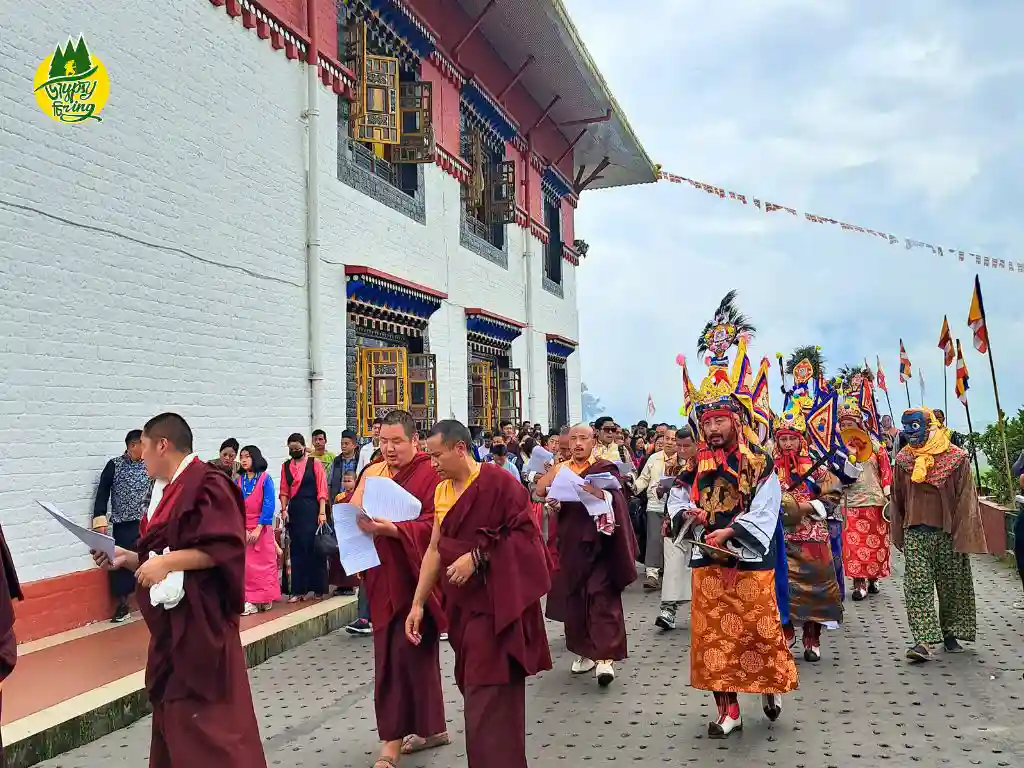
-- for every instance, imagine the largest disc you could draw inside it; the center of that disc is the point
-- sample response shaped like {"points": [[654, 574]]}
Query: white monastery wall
{"points": [[155, 260]]}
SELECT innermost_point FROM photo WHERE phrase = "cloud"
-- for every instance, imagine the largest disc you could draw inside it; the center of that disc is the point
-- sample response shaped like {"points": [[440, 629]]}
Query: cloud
{"points": [[904, 120]]}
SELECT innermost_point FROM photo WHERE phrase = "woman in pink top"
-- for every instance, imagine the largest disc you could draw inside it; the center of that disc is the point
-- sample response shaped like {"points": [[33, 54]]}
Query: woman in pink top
{"points": [[262, 587]]}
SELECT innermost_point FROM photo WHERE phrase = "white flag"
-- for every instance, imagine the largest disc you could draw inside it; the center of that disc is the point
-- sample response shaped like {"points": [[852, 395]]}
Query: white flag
{"points": [[920, 380], [650, 405]]}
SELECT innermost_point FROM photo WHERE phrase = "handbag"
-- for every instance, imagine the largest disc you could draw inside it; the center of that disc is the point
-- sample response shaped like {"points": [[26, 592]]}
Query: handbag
{"points": [[325, 543]]}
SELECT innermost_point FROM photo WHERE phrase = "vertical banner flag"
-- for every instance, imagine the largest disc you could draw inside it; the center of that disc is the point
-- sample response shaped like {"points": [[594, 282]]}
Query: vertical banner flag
{"points": [[880, 374], [961, 385], [650, 405], [946, 341], [906, 372], [920, 381], [976, 319]]}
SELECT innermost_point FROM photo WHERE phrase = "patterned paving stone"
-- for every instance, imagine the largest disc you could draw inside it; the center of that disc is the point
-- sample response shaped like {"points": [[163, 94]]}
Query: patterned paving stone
{"points": [[863, 704]]}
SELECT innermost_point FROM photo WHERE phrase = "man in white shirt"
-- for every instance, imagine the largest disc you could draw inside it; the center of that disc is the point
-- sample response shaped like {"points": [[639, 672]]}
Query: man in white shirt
{"points": [[366, 452]]}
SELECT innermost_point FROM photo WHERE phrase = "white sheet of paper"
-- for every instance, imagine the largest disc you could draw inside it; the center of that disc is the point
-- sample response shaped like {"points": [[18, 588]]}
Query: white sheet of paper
{"points": [[92, 539], [595, 506], [625, 468], [538, 458], [355, 548], [604, 480], [563, 486], [385, 499], [666, 482]]}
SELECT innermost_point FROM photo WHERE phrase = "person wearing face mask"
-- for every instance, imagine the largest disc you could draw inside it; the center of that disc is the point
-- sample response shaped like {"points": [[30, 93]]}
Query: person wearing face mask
{"points": [[936, 524], [303, 510]]}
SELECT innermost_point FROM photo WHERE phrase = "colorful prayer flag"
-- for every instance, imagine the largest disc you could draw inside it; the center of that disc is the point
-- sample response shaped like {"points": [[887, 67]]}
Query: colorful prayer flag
{"points": [[976, 319], [961, 385], [821, 424], [946, 341], [869, 408], [906, 370], [762, 400], [880, 375]]}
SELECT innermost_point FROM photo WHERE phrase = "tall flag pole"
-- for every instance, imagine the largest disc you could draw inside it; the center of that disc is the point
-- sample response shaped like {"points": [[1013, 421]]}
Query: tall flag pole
{"points": [[880, 378], [946, 345], [978, 323], [960, 388], [906, 371]]}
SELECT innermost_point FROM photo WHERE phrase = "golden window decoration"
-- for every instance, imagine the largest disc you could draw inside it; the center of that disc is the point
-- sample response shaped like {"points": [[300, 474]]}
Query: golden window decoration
{"points": [[377, 122], [423, 390], [502, 208], [510, 397], [416, 115], [383, 384], [481, 395]]}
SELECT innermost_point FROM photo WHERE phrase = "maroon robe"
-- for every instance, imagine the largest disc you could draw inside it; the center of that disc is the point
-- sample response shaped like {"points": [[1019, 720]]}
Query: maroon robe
{"points": [[495, 622], [407, 678], [195, 673], [10, 590], [593, 570]]}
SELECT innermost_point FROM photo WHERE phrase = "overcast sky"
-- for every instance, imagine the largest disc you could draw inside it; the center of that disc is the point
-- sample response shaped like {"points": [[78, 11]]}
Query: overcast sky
{"points": [[902, 117]]}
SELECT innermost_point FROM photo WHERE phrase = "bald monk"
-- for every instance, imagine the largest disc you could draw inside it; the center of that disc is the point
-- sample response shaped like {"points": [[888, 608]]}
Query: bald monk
{"points": [[596, 562], [195, 672], [407, 678], [495, 573], [10, 590]]}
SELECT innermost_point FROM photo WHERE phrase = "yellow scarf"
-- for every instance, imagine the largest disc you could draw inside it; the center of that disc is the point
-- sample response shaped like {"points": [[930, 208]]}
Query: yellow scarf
{"points": [[924, 457]]}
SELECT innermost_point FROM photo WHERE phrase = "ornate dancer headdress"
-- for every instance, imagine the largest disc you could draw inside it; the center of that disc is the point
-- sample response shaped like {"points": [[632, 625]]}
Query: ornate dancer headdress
{"points": [[791, 421]]}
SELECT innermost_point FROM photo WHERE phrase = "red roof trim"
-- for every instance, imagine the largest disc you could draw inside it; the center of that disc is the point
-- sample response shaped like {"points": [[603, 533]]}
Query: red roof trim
{"points": [[485, 313], [556, 337], [355, 269]]}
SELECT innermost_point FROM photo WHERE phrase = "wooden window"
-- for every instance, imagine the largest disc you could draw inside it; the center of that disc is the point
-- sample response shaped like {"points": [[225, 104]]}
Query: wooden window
{"points": [[416, 110], [383, 380], [391, 117], [510, 395], [423, 390], [553, 250], [490, 195], [482, 385], [558, 396]]}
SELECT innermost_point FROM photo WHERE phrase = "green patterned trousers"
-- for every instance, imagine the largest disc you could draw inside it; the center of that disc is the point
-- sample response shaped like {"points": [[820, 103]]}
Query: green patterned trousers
{"points": [[932, 565]]}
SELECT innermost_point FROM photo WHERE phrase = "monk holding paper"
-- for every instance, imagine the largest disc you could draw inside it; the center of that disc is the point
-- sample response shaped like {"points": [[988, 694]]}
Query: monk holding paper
{"points": [[407, 681], [191, 599], [495, 573], [596, 562]]}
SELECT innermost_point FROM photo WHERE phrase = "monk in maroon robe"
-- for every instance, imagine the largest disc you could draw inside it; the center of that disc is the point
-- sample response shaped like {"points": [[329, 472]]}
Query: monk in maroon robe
{"points": [[496, 571], [596, 562], [195, 672], [407, 678], [10, 590]]}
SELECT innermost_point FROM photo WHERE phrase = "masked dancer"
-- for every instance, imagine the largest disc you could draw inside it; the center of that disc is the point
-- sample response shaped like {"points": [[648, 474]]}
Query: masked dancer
{"points": [[866, 533], [936, 523], [736, 639]]}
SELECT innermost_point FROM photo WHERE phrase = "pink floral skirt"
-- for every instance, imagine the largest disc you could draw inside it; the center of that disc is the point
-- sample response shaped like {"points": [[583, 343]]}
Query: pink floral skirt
{"points": [[866, 544]]}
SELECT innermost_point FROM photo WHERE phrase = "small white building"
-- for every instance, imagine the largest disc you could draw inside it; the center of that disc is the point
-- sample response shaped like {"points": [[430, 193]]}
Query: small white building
{"points": [[175, 255]]}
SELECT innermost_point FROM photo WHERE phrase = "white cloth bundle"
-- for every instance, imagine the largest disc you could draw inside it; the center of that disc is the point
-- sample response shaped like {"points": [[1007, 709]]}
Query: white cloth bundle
{"points": [[170, 591]]}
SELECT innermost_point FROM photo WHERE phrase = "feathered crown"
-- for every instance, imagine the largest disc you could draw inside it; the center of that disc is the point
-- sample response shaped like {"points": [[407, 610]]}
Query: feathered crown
{"points": [[721, 388], [791, 420], [725, 329]]}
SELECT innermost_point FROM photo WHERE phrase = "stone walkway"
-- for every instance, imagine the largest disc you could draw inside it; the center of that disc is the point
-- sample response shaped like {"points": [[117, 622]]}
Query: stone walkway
{"points": [[863, 704]]}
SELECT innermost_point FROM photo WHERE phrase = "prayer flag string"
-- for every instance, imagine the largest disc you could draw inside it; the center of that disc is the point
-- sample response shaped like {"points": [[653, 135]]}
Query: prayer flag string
{"points": [[766, 206]]}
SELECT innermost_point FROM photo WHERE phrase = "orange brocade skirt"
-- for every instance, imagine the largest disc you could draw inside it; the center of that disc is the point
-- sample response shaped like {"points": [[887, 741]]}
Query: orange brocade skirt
{"points": [[736, 639]]}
